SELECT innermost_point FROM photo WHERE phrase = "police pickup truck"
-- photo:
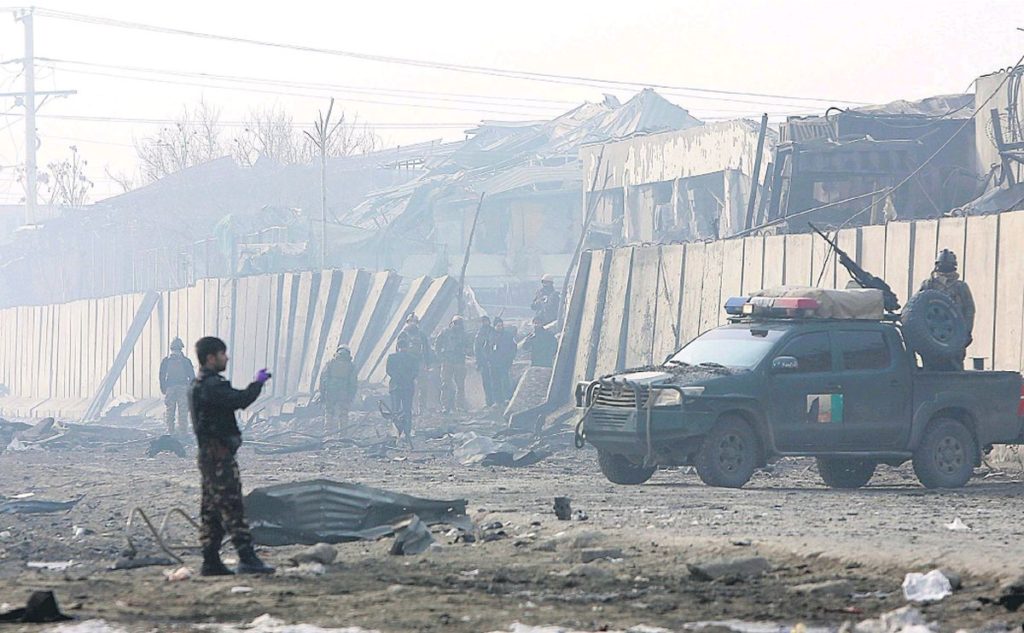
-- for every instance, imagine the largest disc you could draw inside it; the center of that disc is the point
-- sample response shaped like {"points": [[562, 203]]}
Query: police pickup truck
{"points": [[776, 381]]}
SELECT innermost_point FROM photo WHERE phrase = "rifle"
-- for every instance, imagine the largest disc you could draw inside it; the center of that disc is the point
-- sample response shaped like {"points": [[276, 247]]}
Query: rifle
{"points": [[863, 278]]}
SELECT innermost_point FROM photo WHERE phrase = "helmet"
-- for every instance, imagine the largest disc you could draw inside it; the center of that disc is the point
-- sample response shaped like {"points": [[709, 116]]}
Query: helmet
{"points": [[547, 279], [343, 350], [946, 261], [456, 320], [412, 318], [177, 345]]}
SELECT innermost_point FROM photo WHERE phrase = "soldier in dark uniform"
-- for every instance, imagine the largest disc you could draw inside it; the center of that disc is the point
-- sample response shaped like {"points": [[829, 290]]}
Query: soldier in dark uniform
{"points": [[419, 346], [452, 348], [547, 302], [213, 402], [402, 367], [483, 349], [946, 279], [541, 344], [504, 354], [176, 374], [338, 385]]}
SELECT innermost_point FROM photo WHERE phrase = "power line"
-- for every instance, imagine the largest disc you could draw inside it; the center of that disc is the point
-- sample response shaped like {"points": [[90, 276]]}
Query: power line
{"points": [[463, 68], [155, 121]]}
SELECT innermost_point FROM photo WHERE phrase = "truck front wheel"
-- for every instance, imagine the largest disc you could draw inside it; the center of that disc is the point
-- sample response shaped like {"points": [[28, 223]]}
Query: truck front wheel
{"points": [[946, 456], [729, 454], [838, 472], [619, 470]]}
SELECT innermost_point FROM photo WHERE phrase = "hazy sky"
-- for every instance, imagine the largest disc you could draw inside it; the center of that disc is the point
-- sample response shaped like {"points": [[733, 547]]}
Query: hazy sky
{"points": [[870, 51]]}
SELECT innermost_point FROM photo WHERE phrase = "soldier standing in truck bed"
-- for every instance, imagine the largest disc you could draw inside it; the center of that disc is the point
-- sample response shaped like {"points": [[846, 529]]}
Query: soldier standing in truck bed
{"points": [[946, 279]]}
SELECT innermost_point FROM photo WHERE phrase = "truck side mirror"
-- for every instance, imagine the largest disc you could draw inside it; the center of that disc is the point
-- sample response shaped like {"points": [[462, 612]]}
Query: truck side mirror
{"points": [[784, 364]]}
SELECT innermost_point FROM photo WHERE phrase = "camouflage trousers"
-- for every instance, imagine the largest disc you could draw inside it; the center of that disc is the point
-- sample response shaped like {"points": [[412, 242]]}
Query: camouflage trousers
{"points": [[176, 401], [221, 511]]}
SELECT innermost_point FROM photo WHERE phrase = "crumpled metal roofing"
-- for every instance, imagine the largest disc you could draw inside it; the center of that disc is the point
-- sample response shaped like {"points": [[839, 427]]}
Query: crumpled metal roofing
{"points": [[324, 511]]}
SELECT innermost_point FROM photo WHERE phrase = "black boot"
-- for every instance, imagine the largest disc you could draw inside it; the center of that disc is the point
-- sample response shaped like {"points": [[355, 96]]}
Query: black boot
{"points": [[250, 563], [212, 564]]}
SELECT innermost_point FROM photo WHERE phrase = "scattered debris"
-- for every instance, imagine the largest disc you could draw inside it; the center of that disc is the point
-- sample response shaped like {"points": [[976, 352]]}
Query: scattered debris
{"points": [[322, 553], [590, 555], [269, 624], [41, 607], [241, 589], [178, 575], [411, 537], [903, 620], [1011, 594], [128, 562], [166, 444], [50, 566], [958, 526], [35, 506], [563, 508], [930, 587], [729, 569], [580, 515], [323, 511], [838, 588], [305, 570]]}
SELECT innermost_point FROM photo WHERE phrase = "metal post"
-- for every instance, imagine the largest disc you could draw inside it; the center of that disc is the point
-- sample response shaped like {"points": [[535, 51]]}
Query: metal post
{"points": [[28, 63], [755, 177]]}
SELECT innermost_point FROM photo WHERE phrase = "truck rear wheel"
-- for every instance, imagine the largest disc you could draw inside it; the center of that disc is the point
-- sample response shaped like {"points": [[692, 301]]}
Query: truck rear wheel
{"points": [[729, 454], [619, 470], [946, 456], [841, 472]]}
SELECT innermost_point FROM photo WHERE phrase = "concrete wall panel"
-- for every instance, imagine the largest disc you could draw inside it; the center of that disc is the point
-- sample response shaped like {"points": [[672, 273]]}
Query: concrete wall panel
{"points": [[774, 261], [898, 259], [694, 274], [798, 259], [670, 277], [952, 235], [711, 304], [592, 317], [753, 264], [923, 256], [732, 274], [823, 264], [1009, 298], [977, 266], [382, 293], [872, 249], [643, 305], [386, 343], [610, 356]]}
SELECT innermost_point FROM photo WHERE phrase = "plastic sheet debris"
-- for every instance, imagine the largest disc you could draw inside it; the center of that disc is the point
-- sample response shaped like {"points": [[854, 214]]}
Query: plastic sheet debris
{"points": [[323, 511], [305, 570], [50, 565], [40, 607], [411, 537], [87, 626], [35, 506], [958, 526], [241, 589], [178, 575], [930, 587], [478, 449]]}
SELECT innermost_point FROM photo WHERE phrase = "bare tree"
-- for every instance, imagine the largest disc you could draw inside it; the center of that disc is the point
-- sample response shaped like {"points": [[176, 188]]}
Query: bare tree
{"points": [[271, 133], [66, 180], [193, 139], [123, 179]]}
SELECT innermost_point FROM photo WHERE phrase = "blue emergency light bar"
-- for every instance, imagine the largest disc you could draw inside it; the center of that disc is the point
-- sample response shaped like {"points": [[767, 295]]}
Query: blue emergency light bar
{"points": [[734, 305], [771, 306]]}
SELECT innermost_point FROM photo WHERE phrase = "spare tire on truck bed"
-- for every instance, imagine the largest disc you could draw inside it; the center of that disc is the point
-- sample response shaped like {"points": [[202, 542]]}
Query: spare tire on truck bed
{"points": [[934, 327]]}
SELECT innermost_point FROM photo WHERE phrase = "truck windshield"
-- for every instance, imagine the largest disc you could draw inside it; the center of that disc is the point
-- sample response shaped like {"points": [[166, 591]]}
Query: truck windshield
{"points": [[736, 348]]}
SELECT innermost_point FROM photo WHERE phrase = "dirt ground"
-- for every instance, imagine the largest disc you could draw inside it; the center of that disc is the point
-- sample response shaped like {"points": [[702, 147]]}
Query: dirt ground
{"points": [[808, 533]]}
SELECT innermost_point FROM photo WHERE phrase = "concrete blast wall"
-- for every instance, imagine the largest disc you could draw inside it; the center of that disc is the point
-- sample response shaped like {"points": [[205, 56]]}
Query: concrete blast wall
{"points": [[55, 360], [642, 302]]}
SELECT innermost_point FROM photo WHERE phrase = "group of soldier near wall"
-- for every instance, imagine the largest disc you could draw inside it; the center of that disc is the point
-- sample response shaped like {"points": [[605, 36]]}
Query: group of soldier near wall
{"points": [[432, 369]]}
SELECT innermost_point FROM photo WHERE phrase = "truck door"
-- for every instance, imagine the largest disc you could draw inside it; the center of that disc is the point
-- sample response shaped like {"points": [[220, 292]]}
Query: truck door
{"points": [[875, 383], [806, 406]]}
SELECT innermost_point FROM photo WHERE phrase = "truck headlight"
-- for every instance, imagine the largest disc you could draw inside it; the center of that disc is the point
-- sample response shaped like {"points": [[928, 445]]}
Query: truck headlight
{"points": [[667, 398]]}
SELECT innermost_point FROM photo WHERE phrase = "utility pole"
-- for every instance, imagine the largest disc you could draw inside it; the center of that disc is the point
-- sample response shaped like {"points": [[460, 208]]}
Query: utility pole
{"points": [[28, 99], [29, 65]]}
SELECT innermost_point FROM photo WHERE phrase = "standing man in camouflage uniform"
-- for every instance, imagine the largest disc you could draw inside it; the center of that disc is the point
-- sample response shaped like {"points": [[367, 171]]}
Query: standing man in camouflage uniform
{"points": [[483, 349], [176, 374], [338, 384], [402, 369], [452, 348], [946, 279], [213, 402]]}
